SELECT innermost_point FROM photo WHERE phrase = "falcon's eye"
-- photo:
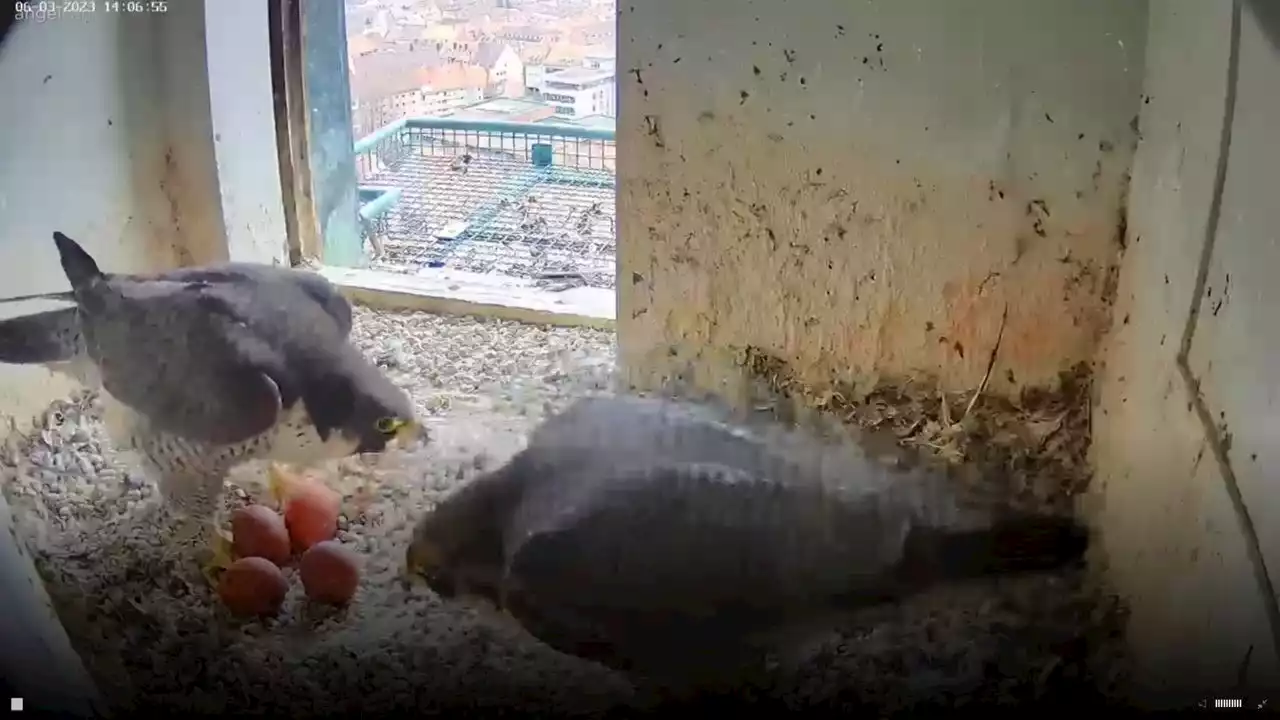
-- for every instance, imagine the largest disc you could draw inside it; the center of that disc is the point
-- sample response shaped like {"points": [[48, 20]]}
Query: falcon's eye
{"points": [[389, 425]]}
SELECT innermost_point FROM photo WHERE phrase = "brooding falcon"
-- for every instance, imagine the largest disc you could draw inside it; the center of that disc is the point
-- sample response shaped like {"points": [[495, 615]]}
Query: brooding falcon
{"points": [[202, 369], [658, 539]]}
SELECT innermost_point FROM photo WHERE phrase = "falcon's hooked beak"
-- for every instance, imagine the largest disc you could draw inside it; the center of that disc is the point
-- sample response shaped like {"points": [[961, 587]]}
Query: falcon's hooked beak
{"points": [[423, 562], [405, 431], [402, 431]]}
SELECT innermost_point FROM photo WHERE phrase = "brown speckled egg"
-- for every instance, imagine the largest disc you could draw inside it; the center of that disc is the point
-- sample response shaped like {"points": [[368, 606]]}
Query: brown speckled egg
{"points": [[253, 586], [258, 531], [330, 573], [311, 514]]}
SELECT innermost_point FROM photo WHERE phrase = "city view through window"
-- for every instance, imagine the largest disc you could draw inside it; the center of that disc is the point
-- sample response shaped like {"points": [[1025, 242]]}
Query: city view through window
{"points": [[485, 138], [515, 60]]}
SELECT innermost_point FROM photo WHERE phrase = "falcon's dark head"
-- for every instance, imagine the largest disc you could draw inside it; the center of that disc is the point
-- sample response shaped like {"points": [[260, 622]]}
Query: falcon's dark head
{"points": [[365, 408], [457, 547]]}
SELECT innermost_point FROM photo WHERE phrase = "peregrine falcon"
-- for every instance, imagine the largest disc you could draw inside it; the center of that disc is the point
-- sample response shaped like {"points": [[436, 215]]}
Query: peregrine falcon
{"points": [[201, 369], [662, 540]]}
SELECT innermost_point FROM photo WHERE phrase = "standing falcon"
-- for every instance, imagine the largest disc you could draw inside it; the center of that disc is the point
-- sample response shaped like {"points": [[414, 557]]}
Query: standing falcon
{"points": [[202, 369], [658, 539]]}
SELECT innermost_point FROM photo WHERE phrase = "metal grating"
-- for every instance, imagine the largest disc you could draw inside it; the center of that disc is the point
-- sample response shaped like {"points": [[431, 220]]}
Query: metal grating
{"points": [[521, 205]]}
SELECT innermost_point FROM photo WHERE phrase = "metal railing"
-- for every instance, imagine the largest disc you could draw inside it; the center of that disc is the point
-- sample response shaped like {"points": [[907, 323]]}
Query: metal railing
{"points": [[539, 144], [520, 199], [375, 204]]}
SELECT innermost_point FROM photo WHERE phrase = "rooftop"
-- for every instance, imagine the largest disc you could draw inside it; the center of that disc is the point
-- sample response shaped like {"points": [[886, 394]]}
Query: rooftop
{"points": [[363, 44], [600, 51], [505, 109], [593, 122], [487, 53], [561, 52], [454, 76], [580, 75], [377, 75]]}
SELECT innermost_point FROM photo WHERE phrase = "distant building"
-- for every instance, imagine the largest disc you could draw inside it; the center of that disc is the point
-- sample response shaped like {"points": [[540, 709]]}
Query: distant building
{"points": [[370, 69], [445, 32], [388, 86], [449, 87], [362, 44], [535, 78], [603, 32], [370, 20], [600, 57], [529, 34], [564, 54], [580, 91], [504, 68]]}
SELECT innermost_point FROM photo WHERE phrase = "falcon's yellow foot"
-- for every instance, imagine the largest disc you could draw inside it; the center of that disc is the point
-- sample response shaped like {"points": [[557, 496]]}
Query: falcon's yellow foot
{"points": [[222, 558], [280, 483]]}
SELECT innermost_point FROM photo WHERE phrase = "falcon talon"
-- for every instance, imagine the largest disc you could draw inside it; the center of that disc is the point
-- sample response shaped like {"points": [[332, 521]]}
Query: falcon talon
{"points": [[278, 481], [221, 555]]}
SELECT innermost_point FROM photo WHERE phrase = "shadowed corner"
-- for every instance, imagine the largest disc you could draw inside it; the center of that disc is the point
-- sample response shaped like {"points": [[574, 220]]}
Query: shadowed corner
{"points": [[8, 22], [1166, 667], [1267, 13], [1038, 543]]}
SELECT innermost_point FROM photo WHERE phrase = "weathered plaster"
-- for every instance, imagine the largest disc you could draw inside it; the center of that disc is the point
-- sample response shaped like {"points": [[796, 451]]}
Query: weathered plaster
{"points": [[1176, 541], [112, 137], [860, 188]]}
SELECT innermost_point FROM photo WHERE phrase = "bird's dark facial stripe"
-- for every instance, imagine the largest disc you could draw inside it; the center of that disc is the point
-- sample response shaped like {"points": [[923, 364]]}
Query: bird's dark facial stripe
{"points": [[371, 444], [442, 584]]}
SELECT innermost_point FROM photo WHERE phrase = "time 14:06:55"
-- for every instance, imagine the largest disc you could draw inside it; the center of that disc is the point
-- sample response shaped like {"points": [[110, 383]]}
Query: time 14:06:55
{"points": [[42, 10], [136, 6]]}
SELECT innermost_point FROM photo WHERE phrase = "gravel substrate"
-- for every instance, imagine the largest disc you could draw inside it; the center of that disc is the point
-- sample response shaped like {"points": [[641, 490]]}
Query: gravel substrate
{"points": [[155, 638]]}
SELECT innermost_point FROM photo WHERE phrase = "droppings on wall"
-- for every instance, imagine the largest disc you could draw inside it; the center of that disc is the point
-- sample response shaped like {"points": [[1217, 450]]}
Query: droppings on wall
{"points": [[863, 189]]}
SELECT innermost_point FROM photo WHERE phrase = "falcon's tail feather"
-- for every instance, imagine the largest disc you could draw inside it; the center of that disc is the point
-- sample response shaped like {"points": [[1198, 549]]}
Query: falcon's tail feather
{"points": [[45, 337], [1024, 543], [79, 266]]}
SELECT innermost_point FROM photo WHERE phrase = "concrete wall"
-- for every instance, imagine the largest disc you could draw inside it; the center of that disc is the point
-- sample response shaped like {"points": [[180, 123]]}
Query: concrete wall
{"points": [[115, 135], [83, 153], [861, 187], [1186, 435], [237, 65], [215, 95], [151, 140]]}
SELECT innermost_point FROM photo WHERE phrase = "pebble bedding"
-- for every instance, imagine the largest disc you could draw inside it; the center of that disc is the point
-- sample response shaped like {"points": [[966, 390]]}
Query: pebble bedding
{"points": [[155, 638]]}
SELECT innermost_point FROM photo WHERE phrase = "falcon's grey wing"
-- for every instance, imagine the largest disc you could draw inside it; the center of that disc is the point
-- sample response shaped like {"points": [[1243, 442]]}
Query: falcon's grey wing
{"points": [[327, 295], [177, 355], [638, 567], [699, 540], [315, 286], [649, 527], [626, 429]]}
